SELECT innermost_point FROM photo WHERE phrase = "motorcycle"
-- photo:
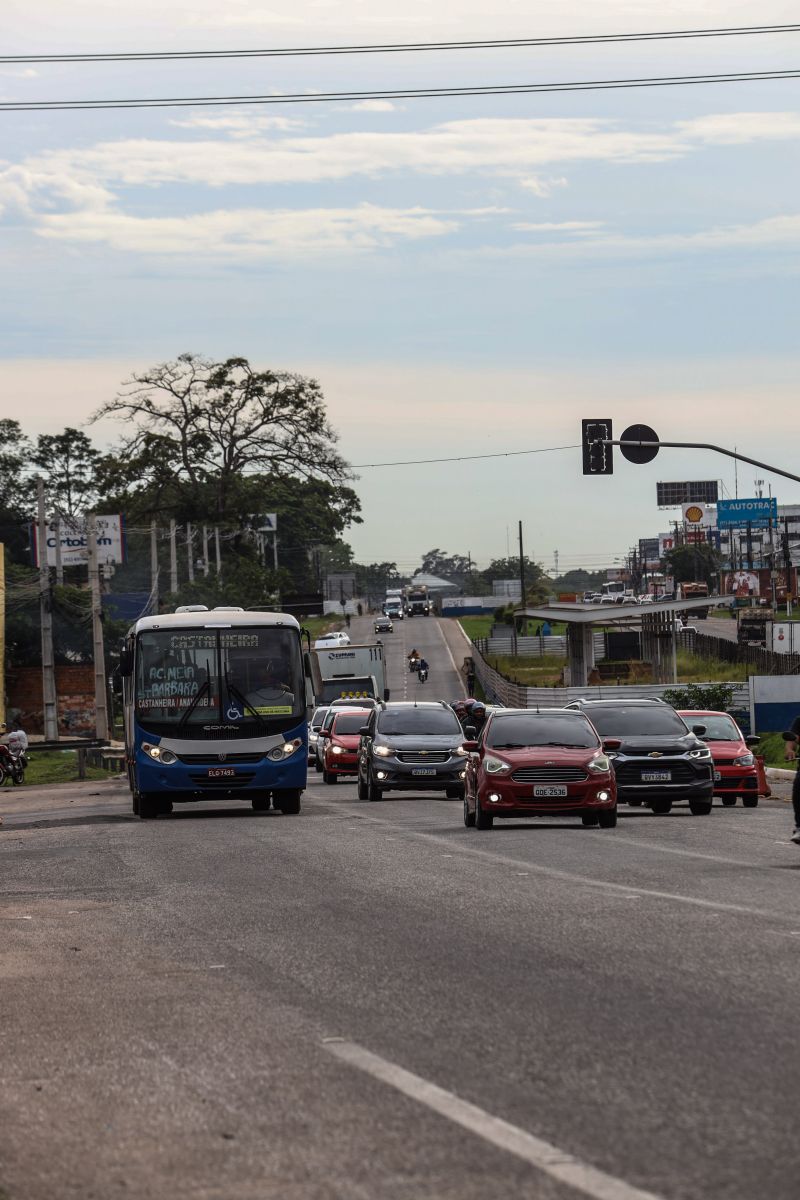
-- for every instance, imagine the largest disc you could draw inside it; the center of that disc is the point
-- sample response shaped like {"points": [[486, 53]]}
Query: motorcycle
{"points": [[422, 674], [413, 664], [12, 766]]}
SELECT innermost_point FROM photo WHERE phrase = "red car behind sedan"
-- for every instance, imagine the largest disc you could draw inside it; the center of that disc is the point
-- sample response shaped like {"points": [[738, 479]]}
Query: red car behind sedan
{"points": [[340, 753], [737, 771], [539, 763]]}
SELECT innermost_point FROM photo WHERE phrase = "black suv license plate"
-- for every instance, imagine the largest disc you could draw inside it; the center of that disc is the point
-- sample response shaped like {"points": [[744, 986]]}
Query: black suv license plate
{"points": [[656, 776], [423, 771]]}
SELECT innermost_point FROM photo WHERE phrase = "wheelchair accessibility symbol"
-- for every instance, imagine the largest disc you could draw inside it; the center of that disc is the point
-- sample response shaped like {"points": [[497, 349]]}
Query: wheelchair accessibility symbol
{"points": [[233, 714]]}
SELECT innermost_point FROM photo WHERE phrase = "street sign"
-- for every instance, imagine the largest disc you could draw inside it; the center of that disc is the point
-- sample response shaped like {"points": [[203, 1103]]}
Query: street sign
{"points": [[598, 459], [269, 523], [734, 514], [639, 454], [692, 491]]}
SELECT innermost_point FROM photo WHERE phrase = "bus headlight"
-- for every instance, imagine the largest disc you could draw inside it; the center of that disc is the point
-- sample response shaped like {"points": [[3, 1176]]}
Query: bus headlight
{"points": [[159, 753], [279, 753]]}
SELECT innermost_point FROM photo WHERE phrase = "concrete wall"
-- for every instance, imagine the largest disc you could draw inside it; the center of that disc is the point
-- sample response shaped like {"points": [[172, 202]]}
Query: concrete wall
{"points": [[75, 691]]}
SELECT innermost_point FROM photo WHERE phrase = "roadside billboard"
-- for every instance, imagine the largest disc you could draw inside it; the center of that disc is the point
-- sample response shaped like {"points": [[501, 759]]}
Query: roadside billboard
{"points": [[735, 514], [699, 516], [75, 542], [692, 491]]}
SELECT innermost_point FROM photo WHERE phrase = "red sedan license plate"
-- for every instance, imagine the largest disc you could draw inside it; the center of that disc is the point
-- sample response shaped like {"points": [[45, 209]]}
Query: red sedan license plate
{"points": [[221, 773], [549, 793]]}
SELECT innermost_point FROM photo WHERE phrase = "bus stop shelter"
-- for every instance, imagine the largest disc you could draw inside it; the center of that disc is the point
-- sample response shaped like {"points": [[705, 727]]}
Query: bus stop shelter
{"points": [[656, 621]]}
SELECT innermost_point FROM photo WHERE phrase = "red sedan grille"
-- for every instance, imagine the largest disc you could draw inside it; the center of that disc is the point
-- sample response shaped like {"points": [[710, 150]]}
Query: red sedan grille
{"points": [[549, 775]]}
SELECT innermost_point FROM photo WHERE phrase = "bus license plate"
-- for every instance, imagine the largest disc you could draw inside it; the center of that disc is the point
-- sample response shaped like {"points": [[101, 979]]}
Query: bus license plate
{"points": [[550, 792], [656, 776], [424, 771], [221, 773]]}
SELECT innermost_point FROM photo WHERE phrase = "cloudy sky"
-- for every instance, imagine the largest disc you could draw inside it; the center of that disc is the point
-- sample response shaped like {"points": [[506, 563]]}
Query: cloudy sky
{"points": [[463, 275]]}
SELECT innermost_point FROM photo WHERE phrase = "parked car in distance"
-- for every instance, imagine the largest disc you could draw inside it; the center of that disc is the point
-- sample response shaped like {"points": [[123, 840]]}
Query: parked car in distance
{"points": [[329, 641], [340, 743], [738, 773], [659, 759], [383, 625], [411, 746], [314, 726], [532, 764]]}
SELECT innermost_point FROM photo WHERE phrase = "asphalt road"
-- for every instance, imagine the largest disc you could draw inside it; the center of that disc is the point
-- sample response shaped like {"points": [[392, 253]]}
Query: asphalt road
{"points": [[371, 1002]]}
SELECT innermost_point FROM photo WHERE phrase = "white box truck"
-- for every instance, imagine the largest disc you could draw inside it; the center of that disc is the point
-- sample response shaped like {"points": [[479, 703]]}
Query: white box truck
{"points": [[349, 672]]}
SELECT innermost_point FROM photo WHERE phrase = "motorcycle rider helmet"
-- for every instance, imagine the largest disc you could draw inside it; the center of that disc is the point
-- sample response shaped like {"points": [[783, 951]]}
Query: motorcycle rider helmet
{"points": [[478, 709]]}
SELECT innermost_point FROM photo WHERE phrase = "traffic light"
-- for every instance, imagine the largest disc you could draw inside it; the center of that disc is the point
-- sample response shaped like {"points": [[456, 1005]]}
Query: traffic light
{"points": [[598, 459]]}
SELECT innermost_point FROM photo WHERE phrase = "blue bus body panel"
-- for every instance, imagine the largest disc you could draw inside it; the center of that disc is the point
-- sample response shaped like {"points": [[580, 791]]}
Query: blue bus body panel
{"points": [[263, 775]]}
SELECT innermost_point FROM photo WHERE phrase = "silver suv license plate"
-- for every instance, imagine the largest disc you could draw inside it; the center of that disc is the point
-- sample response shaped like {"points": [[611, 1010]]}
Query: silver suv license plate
{"points": [[424, 771], [550, 792], [656, 776]]}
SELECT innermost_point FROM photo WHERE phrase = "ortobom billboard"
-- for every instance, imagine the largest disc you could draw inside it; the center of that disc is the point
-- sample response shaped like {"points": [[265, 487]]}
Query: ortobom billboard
{"points": [[733, 514], [75, 542]]}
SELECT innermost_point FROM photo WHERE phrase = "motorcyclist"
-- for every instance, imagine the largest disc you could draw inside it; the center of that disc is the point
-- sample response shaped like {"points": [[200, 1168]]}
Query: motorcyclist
{"points": [[422, 669], [413, 660], [477, 717]]}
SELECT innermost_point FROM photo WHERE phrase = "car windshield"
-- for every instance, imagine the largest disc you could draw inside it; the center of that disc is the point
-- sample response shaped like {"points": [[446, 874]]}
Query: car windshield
{"points": [[190, 676], [718, 729], [350, 722], [318, 718], [620, 721], [438, 721], [540, 729]]}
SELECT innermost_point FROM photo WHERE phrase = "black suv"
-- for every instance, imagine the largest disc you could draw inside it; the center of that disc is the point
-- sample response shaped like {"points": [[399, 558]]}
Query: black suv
{"points": [[659, 759], [416, 747]]}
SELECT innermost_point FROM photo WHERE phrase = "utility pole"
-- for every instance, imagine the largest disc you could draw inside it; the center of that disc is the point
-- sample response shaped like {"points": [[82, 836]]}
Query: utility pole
{"points": [[100, 690], [521, 573], [190, 550], [59, 563], [217, 549], [154, 564], [173, 556], [206, 565], [49, 700]]}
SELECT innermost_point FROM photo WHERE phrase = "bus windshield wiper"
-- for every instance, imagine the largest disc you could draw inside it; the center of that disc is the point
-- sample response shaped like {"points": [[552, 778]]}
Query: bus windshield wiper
{"points": [[237, 695], [200, 693]]}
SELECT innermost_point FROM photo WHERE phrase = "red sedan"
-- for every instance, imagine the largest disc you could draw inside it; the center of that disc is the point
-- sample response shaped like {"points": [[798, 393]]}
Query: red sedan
{"points": [[539, 763], [737, 771], [340, 755]]}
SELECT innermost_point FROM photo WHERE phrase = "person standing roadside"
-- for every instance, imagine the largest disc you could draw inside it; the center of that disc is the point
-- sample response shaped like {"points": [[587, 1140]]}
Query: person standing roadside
{"points": [[791, 737]]}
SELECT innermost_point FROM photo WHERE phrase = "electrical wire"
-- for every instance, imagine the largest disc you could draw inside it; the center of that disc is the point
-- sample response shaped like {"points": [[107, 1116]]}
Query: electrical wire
{"points": [[401, 93], [402, 47], [416, 462]]}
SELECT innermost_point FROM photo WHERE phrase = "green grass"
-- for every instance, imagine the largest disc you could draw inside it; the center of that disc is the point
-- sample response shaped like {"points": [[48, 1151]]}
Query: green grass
{"points": [[693, 669], [316, 626], [476, 627], [58, 766], [771, 746]]}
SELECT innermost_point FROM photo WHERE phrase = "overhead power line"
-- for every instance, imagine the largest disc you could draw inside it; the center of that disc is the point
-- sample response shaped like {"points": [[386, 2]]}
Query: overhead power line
{"points": [[401, 47], [400, 93], [416, 462]]}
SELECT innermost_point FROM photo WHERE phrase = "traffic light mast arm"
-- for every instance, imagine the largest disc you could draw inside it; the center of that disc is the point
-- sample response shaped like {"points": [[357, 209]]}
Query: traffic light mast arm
{"points": [[707, 446]]}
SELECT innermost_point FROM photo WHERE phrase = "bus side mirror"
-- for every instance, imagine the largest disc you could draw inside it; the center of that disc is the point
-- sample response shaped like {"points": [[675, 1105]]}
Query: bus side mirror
{"points": [[116, 683], [125, 668], [307, 666]]}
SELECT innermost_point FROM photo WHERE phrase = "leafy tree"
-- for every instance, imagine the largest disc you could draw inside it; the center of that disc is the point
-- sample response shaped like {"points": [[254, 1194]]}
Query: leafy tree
{"points": [[15, 452], [698, 562], [68, 462], [580, 580], [715, 697], [198, 429], [438, 562], [372, 579]]}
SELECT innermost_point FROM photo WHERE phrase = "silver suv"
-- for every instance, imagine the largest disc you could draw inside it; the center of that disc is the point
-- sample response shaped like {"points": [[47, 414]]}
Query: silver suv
{"points": [[412, 747]]}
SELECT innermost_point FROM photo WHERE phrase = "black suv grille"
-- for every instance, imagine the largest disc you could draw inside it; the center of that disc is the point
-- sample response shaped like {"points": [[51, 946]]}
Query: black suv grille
{"points": [[549, 775], [631, 772]]}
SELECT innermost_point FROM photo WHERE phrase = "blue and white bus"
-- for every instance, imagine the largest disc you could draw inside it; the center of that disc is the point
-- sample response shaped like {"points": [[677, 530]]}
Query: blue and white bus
{"points": [[215, 707]]}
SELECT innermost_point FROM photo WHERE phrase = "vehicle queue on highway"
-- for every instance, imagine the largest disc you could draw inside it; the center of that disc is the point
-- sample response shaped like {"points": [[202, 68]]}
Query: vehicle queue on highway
{"points": [[580, 761]]}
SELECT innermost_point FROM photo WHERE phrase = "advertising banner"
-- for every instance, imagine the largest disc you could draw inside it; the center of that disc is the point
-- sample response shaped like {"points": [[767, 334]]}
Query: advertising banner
{"points": [[734, 514], [697, 516], [75, 543], [692, 491]]}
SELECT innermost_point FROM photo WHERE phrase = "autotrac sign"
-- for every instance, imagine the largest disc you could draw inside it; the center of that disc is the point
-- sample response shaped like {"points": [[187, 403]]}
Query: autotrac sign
{"points": [[736, 513]]}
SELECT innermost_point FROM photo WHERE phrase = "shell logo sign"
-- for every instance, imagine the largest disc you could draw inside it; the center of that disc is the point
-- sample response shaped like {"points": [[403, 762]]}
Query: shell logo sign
{"points": [[694, 514]]}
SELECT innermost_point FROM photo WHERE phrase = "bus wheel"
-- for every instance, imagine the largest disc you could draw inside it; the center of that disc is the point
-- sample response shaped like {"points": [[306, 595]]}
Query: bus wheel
{"points": [[149, 806], [287, 801], [261, 803]]}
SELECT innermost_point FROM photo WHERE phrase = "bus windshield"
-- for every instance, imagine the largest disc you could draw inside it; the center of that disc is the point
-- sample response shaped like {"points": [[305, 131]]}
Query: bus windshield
{"points": [[242, 677]]}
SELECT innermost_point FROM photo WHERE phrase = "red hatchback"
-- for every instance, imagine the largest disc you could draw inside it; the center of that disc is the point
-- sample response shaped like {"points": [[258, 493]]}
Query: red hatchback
{"points": [[737, 771], [539, 763], [340, 753]]}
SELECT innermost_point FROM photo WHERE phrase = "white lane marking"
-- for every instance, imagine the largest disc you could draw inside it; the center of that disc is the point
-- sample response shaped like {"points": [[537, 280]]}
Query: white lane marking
{"points": [[459, 676], [626, 890], [542, 1155]]}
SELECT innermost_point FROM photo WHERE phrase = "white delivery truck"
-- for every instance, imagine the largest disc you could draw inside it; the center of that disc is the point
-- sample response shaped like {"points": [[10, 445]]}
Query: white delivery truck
{"points": [[348, 672]]}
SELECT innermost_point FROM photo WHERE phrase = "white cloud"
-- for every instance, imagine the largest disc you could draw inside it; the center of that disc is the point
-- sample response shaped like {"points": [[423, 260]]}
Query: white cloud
{"points": [[241, 124], [246, 234], [374, 106], [579, 227], [542, 187]]}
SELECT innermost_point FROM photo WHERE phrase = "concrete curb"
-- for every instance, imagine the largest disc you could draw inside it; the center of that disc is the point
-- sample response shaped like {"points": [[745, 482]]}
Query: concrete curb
{"points": [[776, 773]]}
